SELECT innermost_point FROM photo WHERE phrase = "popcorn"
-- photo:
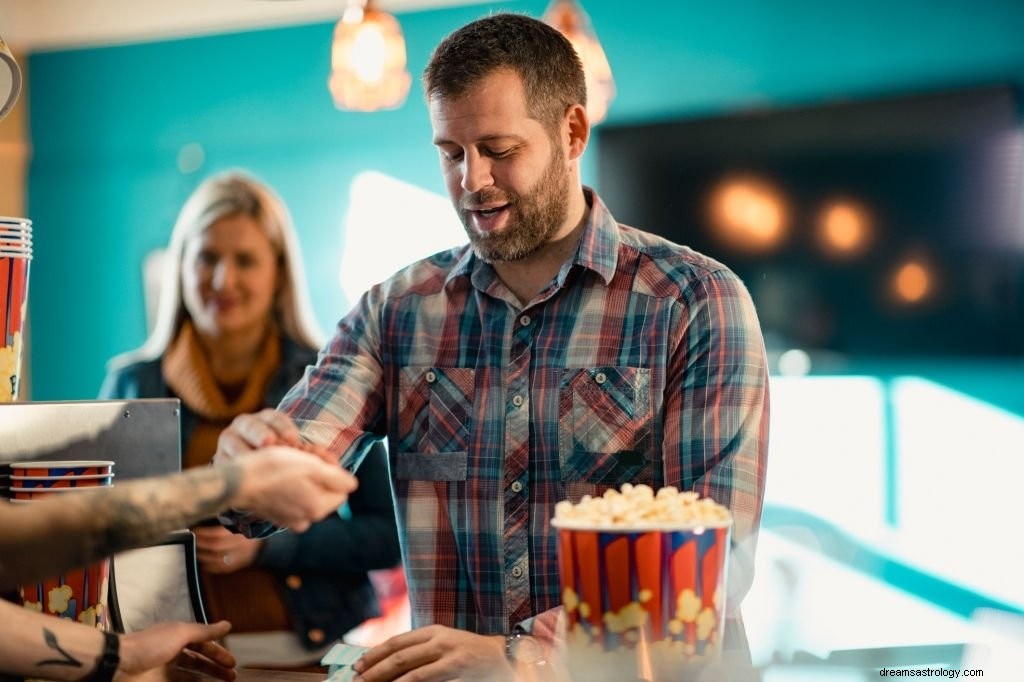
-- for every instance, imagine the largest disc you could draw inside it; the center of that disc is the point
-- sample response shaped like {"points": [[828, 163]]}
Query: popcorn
{"points": [[688, 606], [630, 616], [643, 579], [706, 623], [90, 616], [638, 506], [59, 598]]}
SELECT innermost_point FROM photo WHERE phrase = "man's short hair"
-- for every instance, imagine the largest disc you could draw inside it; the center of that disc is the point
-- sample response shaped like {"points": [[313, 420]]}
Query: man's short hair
{"points": [[551, 70]]}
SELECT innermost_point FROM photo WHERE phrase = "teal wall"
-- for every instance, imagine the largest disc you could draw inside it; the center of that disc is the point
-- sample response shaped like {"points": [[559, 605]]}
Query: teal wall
{"points": [[107, 125]]}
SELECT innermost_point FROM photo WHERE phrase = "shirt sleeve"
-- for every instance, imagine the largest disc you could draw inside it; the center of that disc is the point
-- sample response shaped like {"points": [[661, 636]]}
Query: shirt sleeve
{"points": [[716, 412], [339, 402]]}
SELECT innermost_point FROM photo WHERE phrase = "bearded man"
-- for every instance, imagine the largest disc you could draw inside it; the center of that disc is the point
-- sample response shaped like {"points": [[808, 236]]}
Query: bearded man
{"points": [[558, 354]]}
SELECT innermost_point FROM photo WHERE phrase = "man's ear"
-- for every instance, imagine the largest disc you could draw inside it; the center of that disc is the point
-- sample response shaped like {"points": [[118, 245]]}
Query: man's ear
{"points": [[577, 127]]}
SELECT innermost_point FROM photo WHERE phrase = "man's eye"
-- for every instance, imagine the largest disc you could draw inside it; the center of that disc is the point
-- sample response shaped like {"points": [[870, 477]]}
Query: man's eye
{"points": [[451, 157], [499, 153]]}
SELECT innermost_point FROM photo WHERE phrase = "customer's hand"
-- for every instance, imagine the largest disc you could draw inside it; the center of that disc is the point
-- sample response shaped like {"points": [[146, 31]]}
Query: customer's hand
{"points": [[247, 432], [154, 653], [291, 488], [436, 652], [218, 550]]}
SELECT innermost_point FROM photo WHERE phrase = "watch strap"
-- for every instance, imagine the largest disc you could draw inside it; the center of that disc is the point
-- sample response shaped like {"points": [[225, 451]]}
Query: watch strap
{"points": [[510, 646], [516, 642], [110, 659]]}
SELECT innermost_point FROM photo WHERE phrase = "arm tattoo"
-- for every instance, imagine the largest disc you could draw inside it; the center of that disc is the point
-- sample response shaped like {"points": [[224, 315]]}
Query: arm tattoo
{"points": [[165, 505], [93, 525], [68, 659]]}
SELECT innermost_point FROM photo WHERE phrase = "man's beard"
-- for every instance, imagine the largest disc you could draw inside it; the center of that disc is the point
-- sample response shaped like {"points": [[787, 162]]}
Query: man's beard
{"points": [[533, 218]]}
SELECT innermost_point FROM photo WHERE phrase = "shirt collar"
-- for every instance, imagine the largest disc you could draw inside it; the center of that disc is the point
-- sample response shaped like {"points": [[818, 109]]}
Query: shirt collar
{"points": [[599, 245]]}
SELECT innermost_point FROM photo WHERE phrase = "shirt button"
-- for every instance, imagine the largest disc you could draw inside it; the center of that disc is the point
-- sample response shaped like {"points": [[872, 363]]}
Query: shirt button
{"points": [[517, 571], [600, 377], [315, 635], [431, 377], [517, 487], [525, 320], [293, 582], [517, 400]]}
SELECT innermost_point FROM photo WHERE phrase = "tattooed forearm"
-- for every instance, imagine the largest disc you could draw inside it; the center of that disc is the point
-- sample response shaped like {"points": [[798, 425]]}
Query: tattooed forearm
{"points": [[75, 530], [65, 659], [154, 510]]}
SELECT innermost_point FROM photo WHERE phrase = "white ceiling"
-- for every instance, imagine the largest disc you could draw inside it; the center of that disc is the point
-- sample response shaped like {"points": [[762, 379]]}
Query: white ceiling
{"points": [[32, 25]]}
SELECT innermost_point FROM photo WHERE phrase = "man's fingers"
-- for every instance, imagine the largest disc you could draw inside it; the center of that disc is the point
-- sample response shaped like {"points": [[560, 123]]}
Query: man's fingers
{"points": [[195, 662], [387, 648], [212, 650], [283, 429], [229, 446], [334, 478], [203, 655], [250, 431], [203, 633]]}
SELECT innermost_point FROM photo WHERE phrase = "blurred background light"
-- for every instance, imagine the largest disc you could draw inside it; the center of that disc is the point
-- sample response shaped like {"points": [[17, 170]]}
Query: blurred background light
{"points": [[794, 362], [368, 60], [574, 23], [913, 282], [748, 214], [844, 228]]}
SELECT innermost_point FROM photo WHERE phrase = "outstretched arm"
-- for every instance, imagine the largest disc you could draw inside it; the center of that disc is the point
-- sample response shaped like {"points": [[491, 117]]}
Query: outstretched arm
{"points": [[43, 647], [287, 486]]}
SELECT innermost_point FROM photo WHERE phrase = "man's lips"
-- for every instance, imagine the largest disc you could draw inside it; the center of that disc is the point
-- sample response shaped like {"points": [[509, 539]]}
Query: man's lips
{"points": [[487, 218], [491, 207]]}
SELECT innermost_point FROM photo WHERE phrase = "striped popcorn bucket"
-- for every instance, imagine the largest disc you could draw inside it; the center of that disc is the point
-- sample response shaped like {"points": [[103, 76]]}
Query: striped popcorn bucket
{"points": [[642, 604]]}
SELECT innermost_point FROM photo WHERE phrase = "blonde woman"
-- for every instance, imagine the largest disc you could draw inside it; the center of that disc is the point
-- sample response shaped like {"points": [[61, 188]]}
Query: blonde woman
{"points": [[234, 332]]}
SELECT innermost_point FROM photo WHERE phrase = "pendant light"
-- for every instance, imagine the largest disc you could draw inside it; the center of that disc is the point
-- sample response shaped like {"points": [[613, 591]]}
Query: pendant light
{"points": [[368, 63], [570, 19]]}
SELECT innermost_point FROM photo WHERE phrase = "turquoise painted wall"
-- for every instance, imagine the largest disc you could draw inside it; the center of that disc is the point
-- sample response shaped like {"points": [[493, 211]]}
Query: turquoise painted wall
{"points": [[107, 125]]}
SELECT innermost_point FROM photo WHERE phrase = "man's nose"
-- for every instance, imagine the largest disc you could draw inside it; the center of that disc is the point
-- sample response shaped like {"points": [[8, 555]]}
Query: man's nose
{"points": [[476, 173]]}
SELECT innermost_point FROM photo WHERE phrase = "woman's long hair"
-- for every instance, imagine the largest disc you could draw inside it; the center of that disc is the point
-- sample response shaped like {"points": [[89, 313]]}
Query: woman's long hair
{"points": [[227, 194]]}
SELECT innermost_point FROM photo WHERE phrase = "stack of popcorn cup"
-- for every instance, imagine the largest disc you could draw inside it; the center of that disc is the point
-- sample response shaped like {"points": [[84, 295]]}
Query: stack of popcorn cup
{"points": [[78, 594], [643, 582], [5, 480], [15, 256]]}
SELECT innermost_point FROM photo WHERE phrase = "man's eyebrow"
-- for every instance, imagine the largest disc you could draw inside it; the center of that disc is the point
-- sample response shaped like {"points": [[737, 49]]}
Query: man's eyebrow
{"points": [[438, 141]]}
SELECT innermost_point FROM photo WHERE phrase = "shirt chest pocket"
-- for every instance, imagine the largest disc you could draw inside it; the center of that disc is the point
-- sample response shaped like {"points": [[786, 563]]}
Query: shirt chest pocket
{"points": [[605, 425], [435, 414]]}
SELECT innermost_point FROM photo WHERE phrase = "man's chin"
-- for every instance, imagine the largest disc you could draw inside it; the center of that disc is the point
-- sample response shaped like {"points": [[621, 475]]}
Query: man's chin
{"points": [[491, 255]]}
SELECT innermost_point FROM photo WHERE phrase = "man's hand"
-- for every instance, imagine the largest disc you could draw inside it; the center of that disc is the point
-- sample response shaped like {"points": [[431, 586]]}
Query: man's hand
{"points": [[291, 488], [248, 432], [218, 550], [190, 646], [436, 653]]}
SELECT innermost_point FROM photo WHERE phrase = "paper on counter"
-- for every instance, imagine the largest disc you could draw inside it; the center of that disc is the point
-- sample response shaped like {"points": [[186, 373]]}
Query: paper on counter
{"points": [[340, 659]]}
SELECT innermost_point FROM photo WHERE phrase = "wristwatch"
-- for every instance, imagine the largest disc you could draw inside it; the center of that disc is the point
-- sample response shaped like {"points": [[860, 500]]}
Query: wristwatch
{"points": [[109, 659], [522, 649]]}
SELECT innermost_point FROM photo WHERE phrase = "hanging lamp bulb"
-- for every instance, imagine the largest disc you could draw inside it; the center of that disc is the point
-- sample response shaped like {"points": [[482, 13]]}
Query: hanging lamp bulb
{"points": [[569, 18], [368, 63]]}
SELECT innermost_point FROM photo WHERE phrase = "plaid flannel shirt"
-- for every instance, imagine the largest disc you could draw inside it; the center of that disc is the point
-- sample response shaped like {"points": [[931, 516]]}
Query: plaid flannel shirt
{"points": [[642, 361]]}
